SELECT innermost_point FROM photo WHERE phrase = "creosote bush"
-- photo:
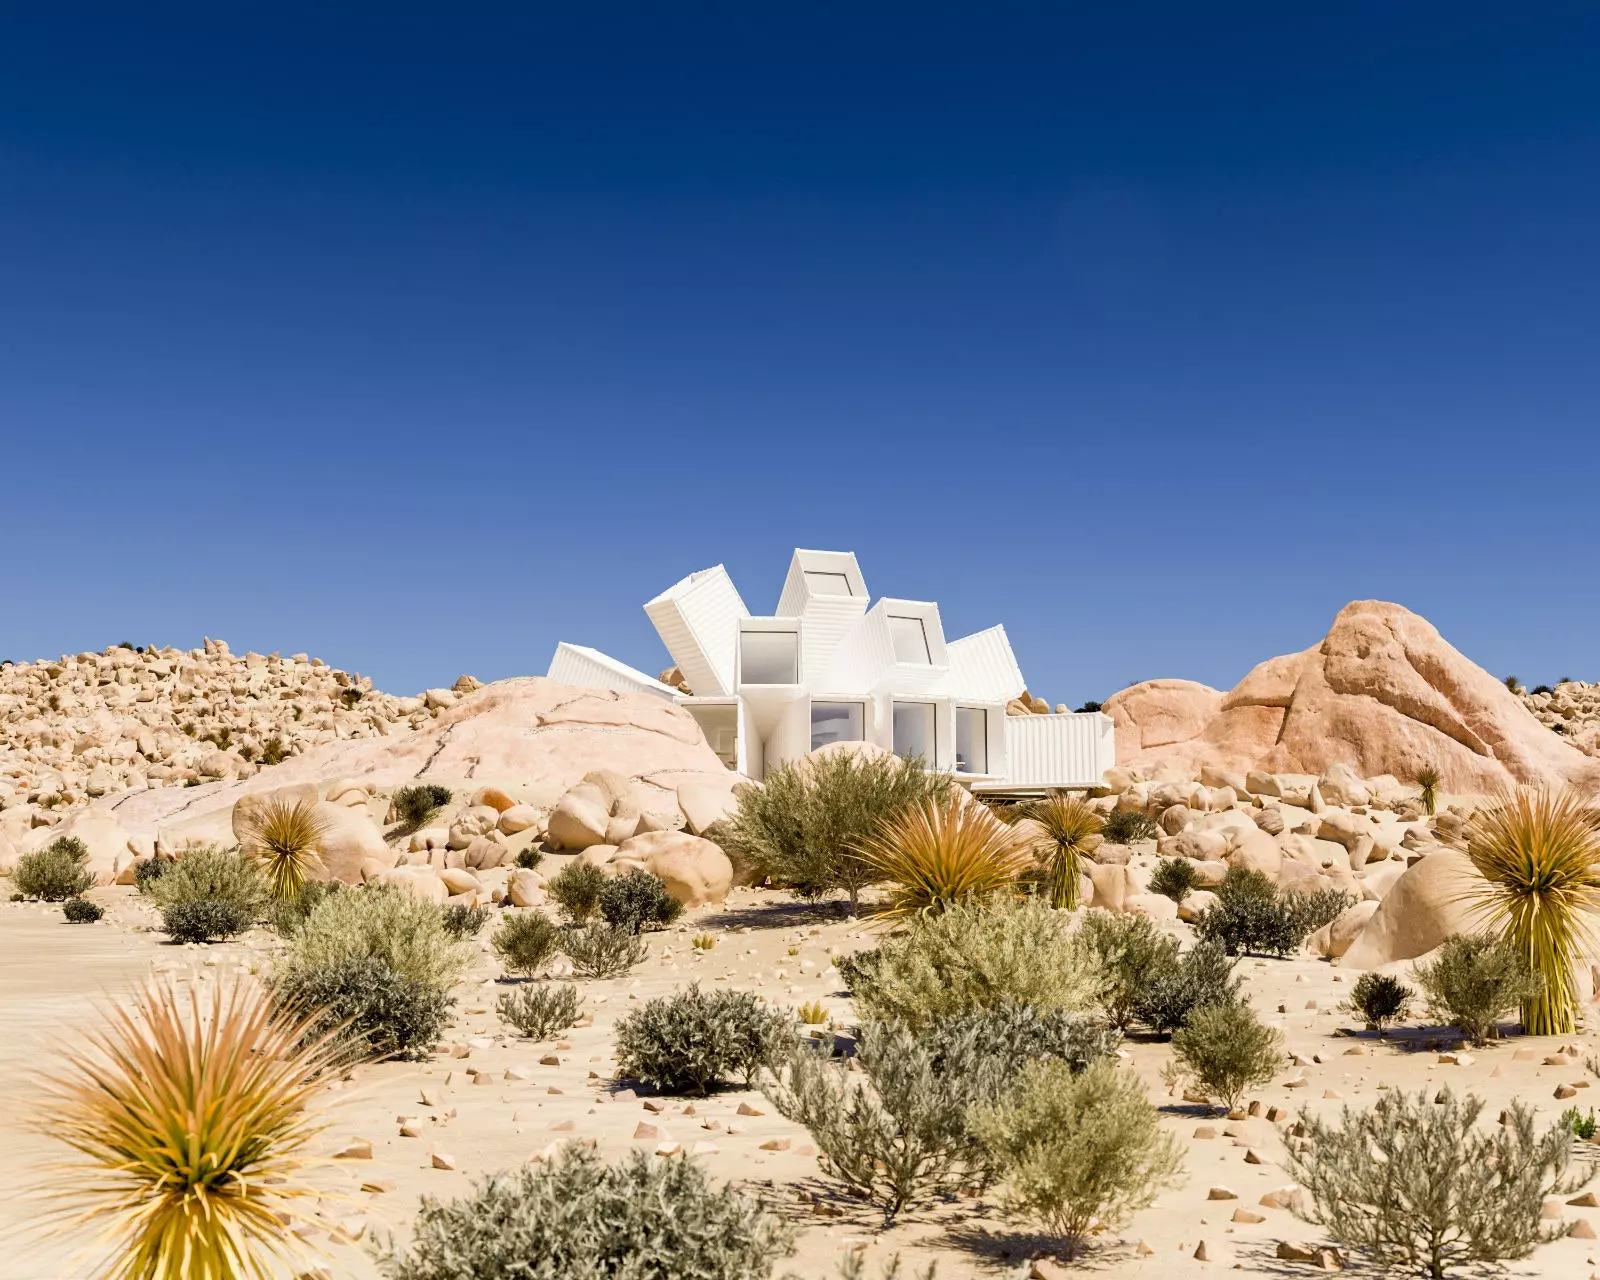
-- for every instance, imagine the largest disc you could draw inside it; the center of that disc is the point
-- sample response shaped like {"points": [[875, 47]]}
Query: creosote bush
{"points": [[526, 942], [285, 915], [1126, 826], [462, 921], [1076, 1150], [1253, 915], [414, 805], [209, 895], [81, 911], [54, 873], [1414, 1184], [1174, 878], [529, 859], [1129, 953], [1474, 982], [691, 1040], [599, 951], [806, 826], [574, 1215], [576, 891], [204, 920], [1380, 999], [1224, 1051], [388, 924], [1203, 976], [540, 1011], [367, 1007], [638, 901], [147, 871]]}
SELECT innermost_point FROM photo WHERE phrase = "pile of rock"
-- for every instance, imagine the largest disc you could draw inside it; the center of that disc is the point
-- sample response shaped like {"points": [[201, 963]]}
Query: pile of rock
{"points": [[1571, 709], [79, 727], [1028, 704]]}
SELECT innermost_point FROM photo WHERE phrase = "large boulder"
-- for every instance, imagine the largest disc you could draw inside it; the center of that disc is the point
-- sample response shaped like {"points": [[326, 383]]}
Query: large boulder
{"points": [[352, 847], [1422, 908], [697, 872], [579, 819], [1335, 938], [106, 840], [1158, 713], [704, 804]]}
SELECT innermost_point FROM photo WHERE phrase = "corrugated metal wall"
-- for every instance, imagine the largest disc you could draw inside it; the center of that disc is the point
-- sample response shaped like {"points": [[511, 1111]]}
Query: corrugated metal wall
{"points": [[697, 619], [1071, 750], [983, 667], [572, 664]]}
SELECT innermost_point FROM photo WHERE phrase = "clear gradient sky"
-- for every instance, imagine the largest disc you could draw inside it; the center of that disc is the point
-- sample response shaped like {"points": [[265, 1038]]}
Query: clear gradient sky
{"points": [[421, 337]]}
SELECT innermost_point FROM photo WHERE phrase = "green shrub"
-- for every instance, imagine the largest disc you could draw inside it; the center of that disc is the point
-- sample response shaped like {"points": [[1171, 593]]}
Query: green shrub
{"points": [[528, 859], [638, 901], [599, 951], [576, 891], [1582, 1126], [1225, 1050], [973, 956], [205, 920], [807, 824], [54, 873], [462, 921], [1130, 953], [1076, 1149], [1474, 982], [690, 1040], [1252, 915], [1203, 977], [81, 911], [387, 924], [574, 1215], [273, 751], [375, 1011], [213, 875], [1126, 826], [1416, 1186], [540, 1011], [1174, 878], [526, 941], [284, 916], [1379, 999], [983, 1050], [147, 871], [414, 805]]}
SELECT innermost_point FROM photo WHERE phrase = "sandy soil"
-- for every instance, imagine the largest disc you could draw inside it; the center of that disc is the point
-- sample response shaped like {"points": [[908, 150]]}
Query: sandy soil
{"points": [[525, 1095]]}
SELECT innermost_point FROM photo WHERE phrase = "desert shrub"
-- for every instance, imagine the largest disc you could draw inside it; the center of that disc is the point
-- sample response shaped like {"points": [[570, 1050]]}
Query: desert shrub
{"points": [[1130, 953], [857, 967], [980, 1053], [853, 1266], [273, 751], [807, 824], [205, 920], [529, 859], [526, 941], [1125, 826], [282, 838], [1174, 878], [1225, 1050], [414, 805], [540, 1011], [1428, 788], [1474, 982], [1252, 915], [575, 1215], [1076, 1149], [462, 921], [576, 891], [1380, 999], [638, 901], [1582, 1126], [54, 873], [387, 924], [971, 957], [81, 911], [172, 1099], [147, 871], [285, 915], [599, 951], [1413, 1184], [370, 1009], [690, 1040], [1070, 829], [213, 875], [943, 852], [1203, 977]]}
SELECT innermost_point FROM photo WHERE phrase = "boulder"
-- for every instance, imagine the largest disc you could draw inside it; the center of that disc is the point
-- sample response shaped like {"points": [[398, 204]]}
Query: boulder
{"points": [[1342, 785], [705, 804], [1422, 908], [492, 798], [1335, 938], [105, 839], [1157, 906], [1158, 713], [1110, 886], [459, 880], [1195, 904], [525, 888], [350, 840], [579, 819], [1257, 851], [421, 882], [518, 818], [598, 855], [696, 871]]}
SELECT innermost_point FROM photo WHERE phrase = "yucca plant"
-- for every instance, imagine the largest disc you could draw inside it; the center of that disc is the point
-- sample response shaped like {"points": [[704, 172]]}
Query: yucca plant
{"points": [[943, 852], [282, 836], [192, 1121], [1539, 855], [1428, 781], [1070, 828]]}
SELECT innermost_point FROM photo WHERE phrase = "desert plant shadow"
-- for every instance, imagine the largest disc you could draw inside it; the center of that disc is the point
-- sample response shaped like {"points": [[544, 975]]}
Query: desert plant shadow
{"points": [[1002, 1248], [788, 914]]}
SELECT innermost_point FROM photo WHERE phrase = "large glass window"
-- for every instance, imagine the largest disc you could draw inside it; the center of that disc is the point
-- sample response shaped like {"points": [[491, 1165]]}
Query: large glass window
{"points": [[836, 722], [769, 657], [910, 640], [824, 583], [972, 740], [913, 731]]}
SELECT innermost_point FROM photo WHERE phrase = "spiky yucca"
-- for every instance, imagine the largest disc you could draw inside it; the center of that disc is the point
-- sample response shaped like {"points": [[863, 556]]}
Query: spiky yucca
{"points": [[1539, 855], [283, 836], [1069, 828], [1428, 781], [942, 852], [192, 1121]]}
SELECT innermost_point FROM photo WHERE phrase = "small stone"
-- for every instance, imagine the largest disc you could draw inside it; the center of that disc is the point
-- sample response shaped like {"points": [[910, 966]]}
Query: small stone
{"points": [[1222, 1193], [1582, 1230], [357, 1149], [1201, 1253], [644, 1131], [776, 1144], [1588, 1200], [379, 1186], [1204, 1131], [443, 1160], [1249, 1216], [1565, 1091], [1250, 1157], [745, 1109]]}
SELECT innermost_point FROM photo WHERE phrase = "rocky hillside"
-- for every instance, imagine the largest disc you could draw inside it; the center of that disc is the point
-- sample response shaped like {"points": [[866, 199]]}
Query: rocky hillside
{"points": [[1571, 709], [94, 724]]}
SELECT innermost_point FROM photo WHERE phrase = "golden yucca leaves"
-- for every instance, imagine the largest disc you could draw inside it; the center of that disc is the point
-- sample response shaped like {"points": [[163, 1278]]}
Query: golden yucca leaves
{"points": [[283, 836], [943, 852], [1539, 855], [191, 1119], [1070, 826]]}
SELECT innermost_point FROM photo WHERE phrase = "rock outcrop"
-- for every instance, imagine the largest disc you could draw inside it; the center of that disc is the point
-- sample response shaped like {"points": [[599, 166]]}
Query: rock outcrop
{"points": [[1383, 693]]}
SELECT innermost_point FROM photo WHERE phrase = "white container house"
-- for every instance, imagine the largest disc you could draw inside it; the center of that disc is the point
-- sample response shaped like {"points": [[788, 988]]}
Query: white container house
{"points": [[831, 666]]}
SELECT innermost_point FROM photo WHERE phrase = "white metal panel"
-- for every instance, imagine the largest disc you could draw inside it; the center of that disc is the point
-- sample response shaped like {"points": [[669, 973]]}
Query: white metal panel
{"points": [[752, 755], [791, 738], [587, 668], [983, 668], [697, 619], [798, 591], [865, 658], [826, 620], [1071, 750]]}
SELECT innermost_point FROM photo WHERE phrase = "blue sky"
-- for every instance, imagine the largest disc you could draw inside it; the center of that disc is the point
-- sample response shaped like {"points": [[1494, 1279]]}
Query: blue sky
{"points": [[423, 337]]}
